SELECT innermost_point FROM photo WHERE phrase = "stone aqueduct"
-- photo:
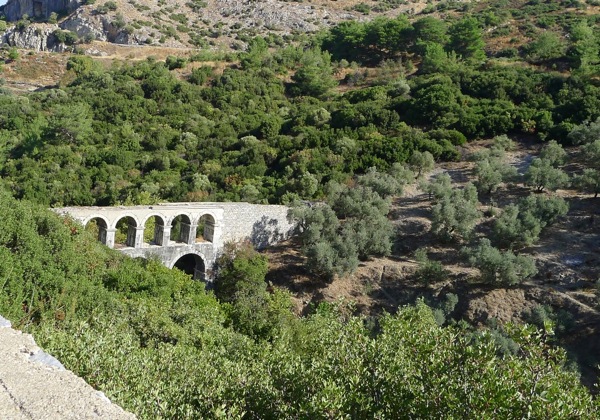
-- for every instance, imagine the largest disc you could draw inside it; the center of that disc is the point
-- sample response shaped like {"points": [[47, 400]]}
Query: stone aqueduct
{"points": [[189, 236]]}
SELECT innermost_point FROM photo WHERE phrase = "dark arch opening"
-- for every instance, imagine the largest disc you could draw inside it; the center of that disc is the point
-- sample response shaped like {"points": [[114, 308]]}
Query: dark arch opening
{"points": [[126, 232], [97, 227], [181, 229], [192, 265]]}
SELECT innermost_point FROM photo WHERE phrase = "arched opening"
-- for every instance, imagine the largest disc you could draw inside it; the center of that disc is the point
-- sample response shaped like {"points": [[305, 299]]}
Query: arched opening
{"points": [[154, 230], [192, 265], [97, 227], [181, 229], [206, 229], [126, 232]]}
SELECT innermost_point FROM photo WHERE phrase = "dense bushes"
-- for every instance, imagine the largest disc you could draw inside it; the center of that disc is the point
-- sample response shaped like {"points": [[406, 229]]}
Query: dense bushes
{"points": [[159, 345], [352, 225], [137, 132]]}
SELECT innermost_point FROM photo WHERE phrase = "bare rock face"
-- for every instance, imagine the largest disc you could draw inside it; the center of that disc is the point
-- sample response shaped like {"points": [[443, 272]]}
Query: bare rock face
{"points": [[37, 9], [34, 385], [38, 38], [85, 25]]}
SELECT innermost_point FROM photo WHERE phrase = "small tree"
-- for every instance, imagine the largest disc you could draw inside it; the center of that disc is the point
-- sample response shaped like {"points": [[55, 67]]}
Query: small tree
{"points": [[456, 214], [314, 77], [589, 136], [521, 225], [13, 54], [588, 181], [546, 209], [386, 184], [499, 267], [421, 162], [466, 39], [491, 172], [585, 48], [439, 187], [587, 132], [547, 46], [554, 154], [542, 175], [490, 166], [352, 225], [429, 271], [172, 62], [503, 142], [591, 153], [512, 230], [240, 283], [53, 18]]}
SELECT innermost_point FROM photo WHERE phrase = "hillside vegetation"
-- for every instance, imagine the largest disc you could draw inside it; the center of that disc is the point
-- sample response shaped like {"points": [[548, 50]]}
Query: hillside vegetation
{"points": [[160, 346], [459, 147]]}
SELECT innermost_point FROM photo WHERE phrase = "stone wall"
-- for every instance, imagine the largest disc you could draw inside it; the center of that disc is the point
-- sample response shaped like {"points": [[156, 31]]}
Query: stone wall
{"points": [[262, 224], [170, 254]]}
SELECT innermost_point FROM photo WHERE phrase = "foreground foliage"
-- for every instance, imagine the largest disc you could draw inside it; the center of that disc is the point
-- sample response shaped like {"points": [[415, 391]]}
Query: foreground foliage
{"points": [[159, 345]]}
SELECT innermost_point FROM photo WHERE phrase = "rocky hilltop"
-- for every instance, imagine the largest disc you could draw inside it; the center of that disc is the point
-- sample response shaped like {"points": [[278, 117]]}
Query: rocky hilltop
{"points": [[205, 24]]}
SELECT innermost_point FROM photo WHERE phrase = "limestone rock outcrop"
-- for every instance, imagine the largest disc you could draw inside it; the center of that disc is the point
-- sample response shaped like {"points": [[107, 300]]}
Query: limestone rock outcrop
{"points": [[34, 385], [37, 9], [86, 25], [38, 38]]}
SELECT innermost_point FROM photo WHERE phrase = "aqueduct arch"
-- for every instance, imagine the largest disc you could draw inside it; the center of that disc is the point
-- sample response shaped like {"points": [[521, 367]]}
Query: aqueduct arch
{"points": [[101, 224], [199, 235], [192, 263]]}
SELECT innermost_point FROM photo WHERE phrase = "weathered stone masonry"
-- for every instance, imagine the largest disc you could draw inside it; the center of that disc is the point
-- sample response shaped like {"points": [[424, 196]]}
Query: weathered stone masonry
{"points": [[262, 225]]}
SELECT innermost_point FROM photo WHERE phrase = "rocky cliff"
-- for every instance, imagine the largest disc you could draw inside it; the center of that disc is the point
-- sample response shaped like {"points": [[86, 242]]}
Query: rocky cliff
{"points": [[38, 38], [37, 9]]}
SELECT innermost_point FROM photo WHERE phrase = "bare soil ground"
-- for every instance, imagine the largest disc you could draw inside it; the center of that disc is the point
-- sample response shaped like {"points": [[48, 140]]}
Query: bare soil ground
{"points": [[31, 72], [567, 257]]}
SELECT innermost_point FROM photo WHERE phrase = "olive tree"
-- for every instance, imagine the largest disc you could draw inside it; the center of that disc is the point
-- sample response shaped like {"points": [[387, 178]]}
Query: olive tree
{"points": [[588, 134], [521, 225], [352, 225], [456, 213], [438, 187], [554, 154], [498, 267], [491, 172], [541, 175], [544, 171], [588, 181], [387, 184], [421, 162]]}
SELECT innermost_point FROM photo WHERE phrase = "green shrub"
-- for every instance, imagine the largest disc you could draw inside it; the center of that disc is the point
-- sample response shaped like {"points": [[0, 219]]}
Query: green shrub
{"points": [[456, 213], [498, 267], [173, 62], [429, 271]]}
